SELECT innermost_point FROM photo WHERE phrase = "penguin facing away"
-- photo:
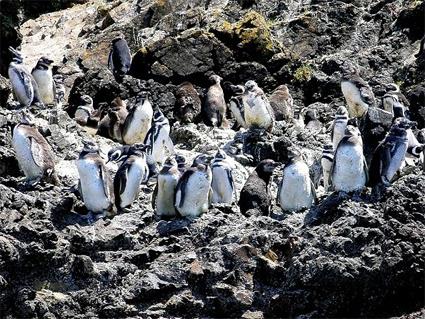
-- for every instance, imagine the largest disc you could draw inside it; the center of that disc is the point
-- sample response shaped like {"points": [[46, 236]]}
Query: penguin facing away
{"points": [[394, 101], [255, 192], [119, 61], [95, 185], [34, 154], [138, 121], [282, 103], [357, 93], [223, 186], [164, 193], [42, 74], [257, 109], [236, 106], [21, 79], [349, 170], [187, 108], [296, 190], [193, 190], [215, 105]]}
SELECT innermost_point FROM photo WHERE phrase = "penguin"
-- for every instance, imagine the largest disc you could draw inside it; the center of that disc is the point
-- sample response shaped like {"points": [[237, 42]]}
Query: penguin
{"points": [[357, 93], [326, 163], [133, 172], [298, 120], [84, 111], [181, 163], [23, 84], [95, 185], [34, 154], [414, 148], [296, 190], [255, 192], [119, 61], [117, 115], [223, 186], [59, 89], [421, 48], [215, 105], [236, 106], [193, 190], [312, 124], [394, 101], [282, 103], [349, 170], [187, 108], [42, 74], [138, 121], [339, 125], [163, 196], [158, 138], [257, 109]]}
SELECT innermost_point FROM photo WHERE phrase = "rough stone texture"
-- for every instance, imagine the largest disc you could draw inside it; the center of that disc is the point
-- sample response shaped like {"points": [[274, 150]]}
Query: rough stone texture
{"points": [[344, 257]]}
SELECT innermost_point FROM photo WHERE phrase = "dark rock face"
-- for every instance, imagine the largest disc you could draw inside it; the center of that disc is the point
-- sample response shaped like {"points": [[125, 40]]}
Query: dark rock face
{"points": [[345, 257]]}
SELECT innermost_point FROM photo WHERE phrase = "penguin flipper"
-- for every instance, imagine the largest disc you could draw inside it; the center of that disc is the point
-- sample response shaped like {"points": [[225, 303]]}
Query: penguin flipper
{"points": [[110, 61], [365, 170], [107, 184], [313, 191], [154, 195], [26, 80], [232, 182]]}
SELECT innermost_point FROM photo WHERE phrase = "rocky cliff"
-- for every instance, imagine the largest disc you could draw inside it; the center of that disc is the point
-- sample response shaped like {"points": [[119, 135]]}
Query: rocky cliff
{"points": [[343, 258]]}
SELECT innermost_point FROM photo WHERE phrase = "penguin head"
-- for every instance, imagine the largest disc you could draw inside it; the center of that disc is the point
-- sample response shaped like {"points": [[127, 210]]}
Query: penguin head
{"points": [[310, 115], [27, 117], [17, 56], [170, 162], [351, 130], [237, 89], [342, 110], [157, 115], [250, 85], [201, 159], [266, 166], [283, 88], [86, 100], [328, 148], [403, 123], [216, 79], [118, 103], [392, 87], [181, 161], [142, 97], [44, 62], [220, 154]]}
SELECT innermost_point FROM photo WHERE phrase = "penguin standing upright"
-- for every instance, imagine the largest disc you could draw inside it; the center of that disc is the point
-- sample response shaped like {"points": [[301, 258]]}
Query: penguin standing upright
{"points": [[257, 109], [312, 124], [357, 93], [194, 188], [133, 171], [23, 84], [390, 153], [119, 61], [35, 155], [223, 186], [138, 121], [282, 103], [236, 106], [349, 169], [296, 190], [158, 138], [117, 115], [215, 105], [339, 125], [42, 74], [164, 193], [187, 108], [181, 163], [95, 183], [255, 193], [394, 101], [84, 110], [326, 162]]}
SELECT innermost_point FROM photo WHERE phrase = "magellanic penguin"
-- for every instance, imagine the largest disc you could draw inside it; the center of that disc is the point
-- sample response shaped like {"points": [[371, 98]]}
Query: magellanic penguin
{"points": [[133, 172], [95, 185], [187, 108], [42, 74], [223, 186], [390, 154], [23, 84], [255, 193], [60, 90], [282, 103], [181, 163], [119, 61], [193, 191], [349, 169], [164, 193], [394, 101], [357, 93], [215, 105], [326, 162], [138, 121], [312, 123], [296, 190], [257, 109], [84, 110], [35, 155], [339, 125], [158, 138], [236, 106]]}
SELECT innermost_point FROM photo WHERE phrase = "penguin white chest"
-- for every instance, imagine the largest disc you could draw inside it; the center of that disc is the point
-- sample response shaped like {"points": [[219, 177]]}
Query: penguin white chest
{"points": [[162, 144], [22, 146], [137, 174], [349, 171], [356, 106], [326, 166], [139, 125], [196, 195], [24, 92], [338, 132], [165, 198], [256, 112], [295, 190], [222, 186], [45, 84], [92, 186]]}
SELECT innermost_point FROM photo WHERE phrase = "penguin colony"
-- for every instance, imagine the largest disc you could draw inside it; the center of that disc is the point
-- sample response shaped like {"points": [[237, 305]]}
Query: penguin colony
{"points": [[146, 151]]}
